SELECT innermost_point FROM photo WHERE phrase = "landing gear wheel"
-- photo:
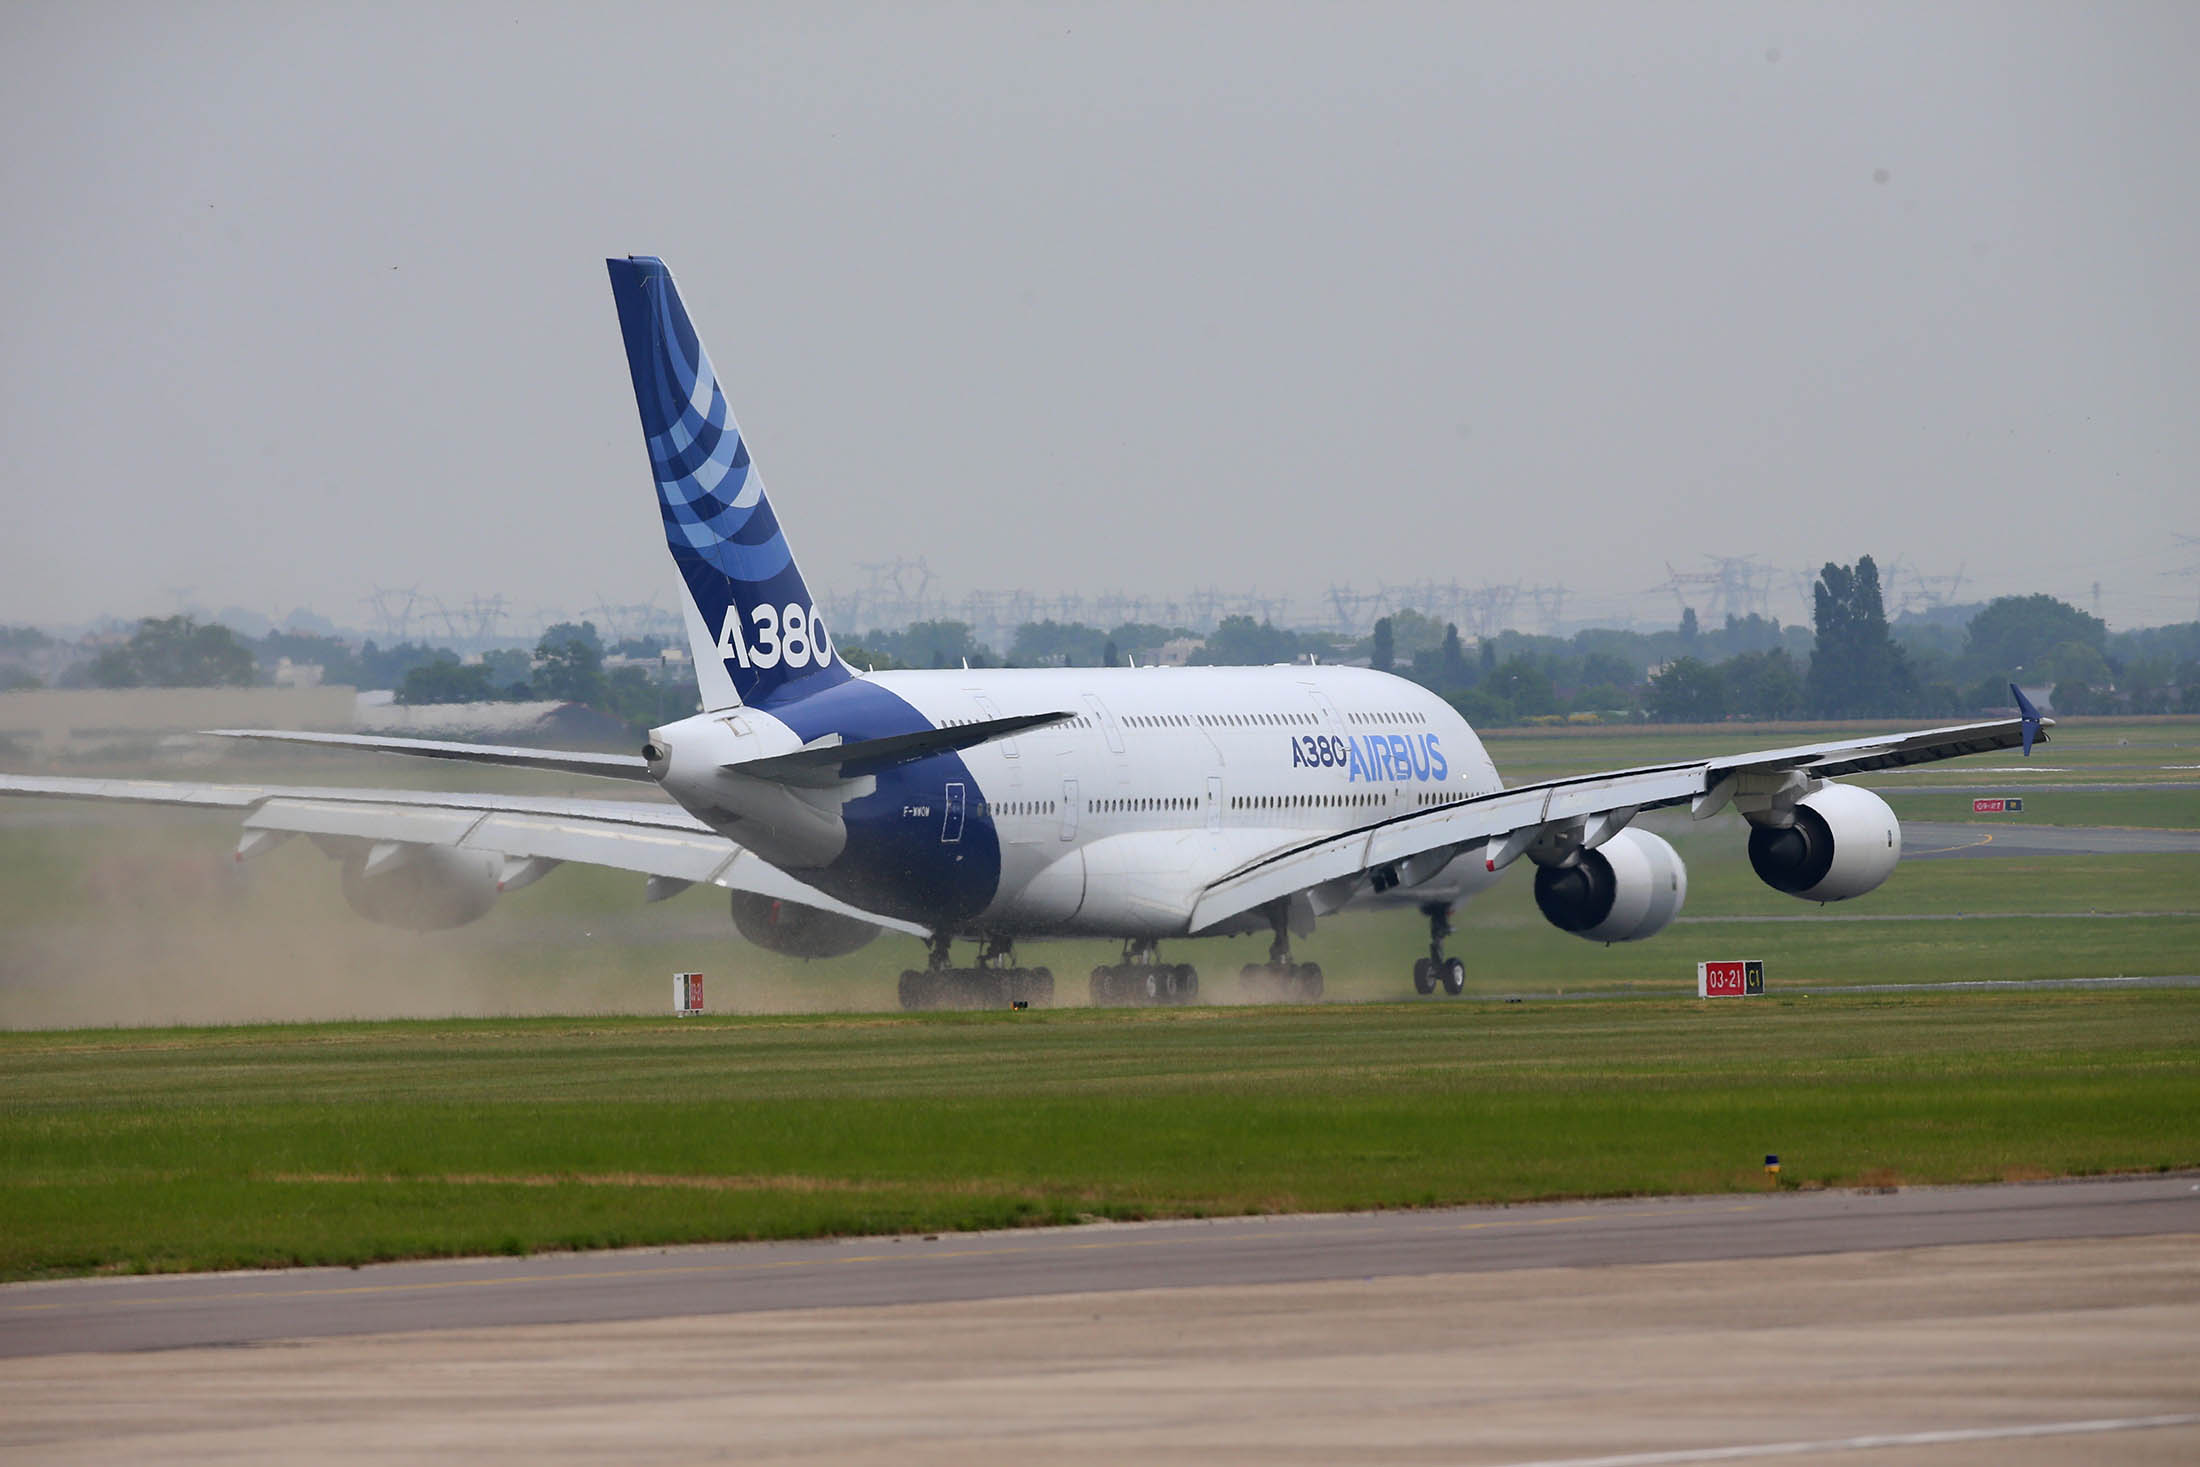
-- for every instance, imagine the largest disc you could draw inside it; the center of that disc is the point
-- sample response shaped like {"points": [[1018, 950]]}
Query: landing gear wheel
{"points": [[1424, 980], [911, 991], [1455, 977], [1307, 979], [1187, 983]]}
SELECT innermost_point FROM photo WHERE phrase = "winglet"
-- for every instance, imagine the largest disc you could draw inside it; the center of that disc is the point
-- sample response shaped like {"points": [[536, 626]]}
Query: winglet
{"points": [[2029, 714]]}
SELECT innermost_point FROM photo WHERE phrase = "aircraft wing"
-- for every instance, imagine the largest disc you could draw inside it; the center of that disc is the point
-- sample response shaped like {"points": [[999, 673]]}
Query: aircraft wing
{"points": [[1582, 810], [533, 833]]}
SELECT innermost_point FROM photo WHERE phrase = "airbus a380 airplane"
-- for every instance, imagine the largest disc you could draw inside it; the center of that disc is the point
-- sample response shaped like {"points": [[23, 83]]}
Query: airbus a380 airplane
{"points": [[997, 805]]}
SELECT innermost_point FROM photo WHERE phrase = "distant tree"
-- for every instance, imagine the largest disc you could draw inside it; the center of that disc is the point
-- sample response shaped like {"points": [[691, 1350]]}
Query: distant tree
{"points": [[177, 652], [865, 658], [1412, 633], [930, 644], [1856, 670], [568, 631], [338, 663], [569, 664], [1689, 630], [1383, 647], [1764, 685], [1604, 667], [1110, 656], [1066, 642], [1452, 670], [1688, 691], [1524, 685], [510, 670], [23, 639], [631, 695], [1239, 641], [446, 680], [2016, 632], [380, 668], [2073, 662], [1481, 707], [1145, 638]]}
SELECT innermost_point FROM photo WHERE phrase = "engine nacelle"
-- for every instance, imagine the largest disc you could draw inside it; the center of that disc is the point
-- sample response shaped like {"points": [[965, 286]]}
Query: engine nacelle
{"points": [[798, 931], [1625, 890], [425, 888], [1844, 842]]}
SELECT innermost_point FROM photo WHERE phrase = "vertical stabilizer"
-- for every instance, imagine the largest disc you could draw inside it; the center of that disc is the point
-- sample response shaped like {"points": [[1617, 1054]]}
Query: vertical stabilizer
{"points": [[752, 623]]}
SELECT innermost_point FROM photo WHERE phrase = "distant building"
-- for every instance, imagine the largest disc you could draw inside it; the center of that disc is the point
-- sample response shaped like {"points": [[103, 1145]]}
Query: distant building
{"points": [[1180, 651]]}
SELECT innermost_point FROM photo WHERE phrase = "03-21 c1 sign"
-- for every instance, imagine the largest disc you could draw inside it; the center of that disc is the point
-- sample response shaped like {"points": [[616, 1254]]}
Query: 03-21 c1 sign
{"points": [[1742, 978]]}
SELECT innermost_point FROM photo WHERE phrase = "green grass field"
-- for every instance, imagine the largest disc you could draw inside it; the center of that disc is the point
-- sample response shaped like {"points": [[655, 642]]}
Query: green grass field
{"points": [[816, 1113], [132, 1150]]}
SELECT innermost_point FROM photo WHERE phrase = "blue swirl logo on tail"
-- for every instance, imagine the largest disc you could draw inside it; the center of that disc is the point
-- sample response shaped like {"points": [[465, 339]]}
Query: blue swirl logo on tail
{"points": [[753, 624]]}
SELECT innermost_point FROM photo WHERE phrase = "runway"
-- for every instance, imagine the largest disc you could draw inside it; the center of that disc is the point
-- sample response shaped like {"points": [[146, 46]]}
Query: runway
{"points": [[1930, 839], [182, 1311], [1850, 1327]]}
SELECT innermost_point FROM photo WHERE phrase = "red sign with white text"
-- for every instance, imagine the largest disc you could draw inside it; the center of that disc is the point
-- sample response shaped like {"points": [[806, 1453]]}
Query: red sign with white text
{"points": [[1719, 980]]}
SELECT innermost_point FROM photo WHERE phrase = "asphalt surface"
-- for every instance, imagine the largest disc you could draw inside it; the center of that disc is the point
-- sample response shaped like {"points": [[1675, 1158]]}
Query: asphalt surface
{"points": [[174, 1312], [1925, 840]]}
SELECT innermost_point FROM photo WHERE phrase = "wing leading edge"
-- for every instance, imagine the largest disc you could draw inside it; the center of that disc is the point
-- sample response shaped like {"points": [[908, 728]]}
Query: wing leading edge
{"points": [[1586, 810]]}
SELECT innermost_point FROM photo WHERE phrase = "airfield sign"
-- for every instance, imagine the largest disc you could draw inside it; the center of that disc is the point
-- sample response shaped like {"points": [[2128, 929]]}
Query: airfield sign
{"points": [[2010, 805], [1743, 978], [687, 993]]}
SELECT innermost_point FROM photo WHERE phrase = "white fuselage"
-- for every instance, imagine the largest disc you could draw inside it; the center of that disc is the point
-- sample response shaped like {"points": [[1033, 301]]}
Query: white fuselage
{"points": [[1111, 822]]}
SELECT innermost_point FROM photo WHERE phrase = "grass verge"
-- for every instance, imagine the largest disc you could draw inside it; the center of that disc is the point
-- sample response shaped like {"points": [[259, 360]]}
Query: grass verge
{"points": [[173, 1149]]}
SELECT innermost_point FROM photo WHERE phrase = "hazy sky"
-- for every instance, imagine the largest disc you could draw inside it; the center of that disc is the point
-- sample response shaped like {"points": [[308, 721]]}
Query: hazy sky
{"points": [[304, 299]]}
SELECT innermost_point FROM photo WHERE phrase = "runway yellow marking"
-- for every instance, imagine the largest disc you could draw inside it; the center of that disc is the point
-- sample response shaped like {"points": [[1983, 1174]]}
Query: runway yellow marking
{"points": [[1984, 840], [915, 1255]]}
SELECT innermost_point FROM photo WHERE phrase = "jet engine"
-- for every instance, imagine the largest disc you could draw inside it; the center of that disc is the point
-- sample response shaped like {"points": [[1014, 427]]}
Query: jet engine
{"points": [[1627, 889], [796, 930], [424, 888], [1844, 841]]}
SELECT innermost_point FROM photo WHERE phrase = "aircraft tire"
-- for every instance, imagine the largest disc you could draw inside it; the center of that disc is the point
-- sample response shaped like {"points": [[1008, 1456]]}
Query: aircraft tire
{"points": [[911, 990], [1424, 979], [1455, 977], [1307, 979]]}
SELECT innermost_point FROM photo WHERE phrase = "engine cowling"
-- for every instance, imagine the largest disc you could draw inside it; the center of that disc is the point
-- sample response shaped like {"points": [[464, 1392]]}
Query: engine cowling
{"points": [[795, 930], [1845, 841], [426, 888], [1625, 890]]}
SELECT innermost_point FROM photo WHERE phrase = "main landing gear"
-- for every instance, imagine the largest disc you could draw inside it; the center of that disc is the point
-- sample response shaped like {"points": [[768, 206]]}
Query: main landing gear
{"points": [[1280, 979], [1142, 979], [1436, 968], [995, 983]]}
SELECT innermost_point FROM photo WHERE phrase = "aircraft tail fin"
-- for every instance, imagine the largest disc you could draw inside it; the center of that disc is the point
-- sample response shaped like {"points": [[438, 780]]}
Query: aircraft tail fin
{"points": [[752, 623]]}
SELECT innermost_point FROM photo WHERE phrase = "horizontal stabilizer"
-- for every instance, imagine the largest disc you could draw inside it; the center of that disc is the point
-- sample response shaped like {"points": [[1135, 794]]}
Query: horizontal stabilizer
{"points": [[561, 761], [868, 756]]}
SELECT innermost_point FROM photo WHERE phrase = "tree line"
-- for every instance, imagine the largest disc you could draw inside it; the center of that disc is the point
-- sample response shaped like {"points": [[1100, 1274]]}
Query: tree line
{"points": [[1851, 662]]}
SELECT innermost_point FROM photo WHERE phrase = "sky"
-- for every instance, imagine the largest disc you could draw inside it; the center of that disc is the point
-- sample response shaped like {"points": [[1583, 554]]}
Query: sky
{"points": [[304, 300]]}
